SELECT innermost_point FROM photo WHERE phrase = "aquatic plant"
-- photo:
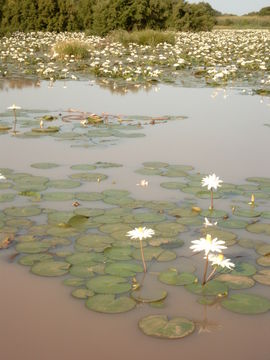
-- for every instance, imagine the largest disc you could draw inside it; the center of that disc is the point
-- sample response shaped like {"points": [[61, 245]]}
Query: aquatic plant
{"points": [[141, 233], [212, 182]]}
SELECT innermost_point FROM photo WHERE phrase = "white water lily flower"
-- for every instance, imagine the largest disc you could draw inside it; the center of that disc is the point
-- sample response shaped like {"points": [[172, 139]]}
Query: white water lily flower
{"points": [[2, 177], [140, 233], [14, 107], [143, 183], [211, 181], [209, 223], [219, 260], [208, 245]]}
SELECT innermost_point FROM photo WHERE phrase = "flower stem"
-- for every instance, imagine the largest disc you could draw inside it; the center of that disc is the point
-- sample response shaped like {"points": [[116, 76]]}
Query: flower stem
{"points": [[211, 274], [15, 121], [142, 254], [205, 271], [212, 200]]}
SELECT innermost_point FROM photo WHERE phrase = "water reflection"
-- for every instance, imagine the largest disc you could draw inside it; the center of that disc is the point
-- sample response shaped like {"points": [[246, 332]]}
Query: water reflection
{"points": [[18, 83], [206, 325]]}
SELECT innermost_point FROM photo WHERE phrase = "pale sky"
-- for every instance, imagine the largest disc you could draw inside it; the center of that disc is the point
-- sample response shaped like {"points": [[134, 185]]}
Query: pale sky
{"points": [[238, 7]]}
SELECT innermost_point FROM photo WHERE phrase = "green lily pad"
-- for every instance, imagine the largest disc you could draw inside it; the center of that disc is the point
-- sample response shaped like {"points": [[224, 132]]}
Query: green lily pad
{"points": [[159, 326], [150, 253], [260, 180], [63, 231], [149, 171], [159, 205], [7, 197], [149, 217], [215, 214], [173, 185], [170, 229], [166, 255], [58, 217], [119, 253], [95, 241], [5, 185], [244, 269], [172, 277], [58, 196], [89, 212], [249, 213], [123, 269], [248, 304], [108, 284], [263, 277], [264, 261], [146, 295], [190, 221], [29, 260], [233, 224], [263, 249], [90, 177], [56, 241], [183, 212], [64, 184], [86, 270], [212, 287], [44, 165], [77, 221], [19, 223], [155, 164], [85, 258], [32, 247], [48, 130], [109, 304], [83, 167], [82, 293], [124, 201], [74, 282], [22, 211], [259, 228], [105, 165], [236, 281], [50, 268], [89, 196]]}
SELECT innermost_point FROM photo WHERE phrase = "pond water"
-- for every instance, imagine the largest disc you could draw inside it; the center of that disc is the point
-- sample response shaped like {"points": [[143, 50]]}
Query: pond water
{"points": [[223, 131]]}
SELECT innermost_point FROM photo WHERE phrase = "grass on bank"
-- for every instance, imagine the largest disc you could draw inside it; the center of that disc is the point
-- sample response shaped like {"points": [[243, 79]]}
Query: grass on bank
{"points": [[243, 22], [143, 37], [73, 47]]}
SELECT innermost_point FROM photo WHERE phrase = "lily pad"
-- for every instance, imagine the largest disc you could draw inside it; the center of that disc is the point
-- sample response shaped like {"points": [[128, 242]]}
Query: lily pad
{"points": [[7, 197], [22, 211], [146, 295], [228, 237], [123, 269], [83, 167], [173, 185], [44, 165], [108, 284], [259, 228], [170, 229], [74, 282], [85, 258], [244, 269], [264, 261], [89, 196], [50, 268], [32, 247], [29, 260], [212, 287], [94, 241], [155, 164], [90, 177], [172, 277], [110, 304], [149, 171], [86, 270], [249, 213], [119, 253], [105, 165], [149, 217], [160, 326], [89, 212], [236, 281], [58, 196], [263, 277], [248, 304], [82, 293], [64, 184], [263, 249], [215, 214], [233, 224]]}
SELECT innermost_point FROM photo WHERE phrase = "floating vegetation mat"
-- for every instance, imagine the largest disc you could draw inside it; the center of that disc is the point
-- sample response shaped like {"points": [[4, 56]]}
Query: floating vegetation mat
{"points": [[214, 58], [87, 244], [81, 129]]}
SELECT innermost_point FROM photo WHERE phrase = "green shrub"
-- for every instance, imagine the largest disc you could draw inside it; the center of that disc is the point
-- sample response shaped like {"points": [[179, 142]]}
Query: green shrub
{"points": [[74, 47], [143, 37]]}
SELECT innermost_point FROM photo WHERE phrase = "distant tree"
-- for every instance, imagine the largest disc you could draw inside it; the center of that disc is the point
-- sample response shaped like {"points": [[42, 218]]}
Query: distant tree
{"points": [[85, 14], [264, 11], [48, 15]]}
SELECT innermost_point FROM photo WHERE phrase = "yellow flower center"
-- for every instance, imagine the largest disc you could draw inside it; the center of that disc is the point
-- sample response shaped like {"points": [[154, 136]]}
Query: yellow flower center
{"points": [[220, 257], [208, 238], [140, 229]]}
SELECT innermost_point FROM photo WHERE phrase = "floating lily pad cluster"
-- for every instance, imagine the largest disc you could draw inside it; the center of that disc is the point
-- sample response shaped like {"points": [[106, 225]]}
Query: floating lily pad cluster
{"points": [[87, 245]]}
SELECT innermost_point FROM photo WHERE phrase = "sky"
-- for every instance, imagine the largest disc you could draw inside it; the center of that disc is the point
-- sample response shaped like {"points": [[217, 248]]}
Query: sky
{"points": [[238, 7]]}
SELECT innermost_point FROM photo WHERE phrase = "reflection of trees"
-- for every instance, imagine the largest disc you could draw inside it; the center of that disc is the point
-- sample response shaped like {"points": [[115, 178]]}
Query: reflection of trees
{"points": [[117, 87], [19, 83]]}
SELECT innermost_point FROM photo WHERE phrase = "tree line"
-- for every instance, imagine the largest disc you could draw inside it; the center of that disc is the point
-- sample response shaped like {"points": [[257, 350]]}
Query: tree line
{"points": [[99, 17]]}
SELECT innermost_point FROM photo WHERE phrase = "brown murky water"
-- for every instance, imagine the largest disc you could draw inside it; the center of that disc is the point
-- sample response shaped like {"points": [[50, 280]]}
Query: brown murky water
{"points": [[39, 318]]}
